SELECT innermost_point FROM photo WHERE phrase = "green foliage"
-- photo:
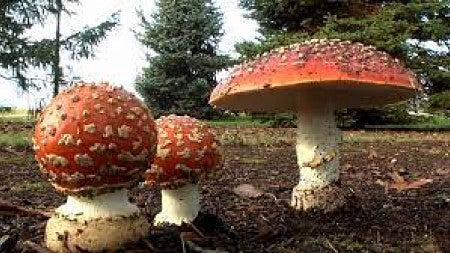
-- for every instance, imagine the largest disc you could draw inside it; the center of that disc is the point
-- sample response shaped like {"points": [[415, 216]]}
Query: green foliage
{"points": [[16, 52], [82, 44], [394, 114], [15, 139], [302, 16], [238, 122], [440, 102], [399, 27], [184, 34], [19, 53], [437, 120]]}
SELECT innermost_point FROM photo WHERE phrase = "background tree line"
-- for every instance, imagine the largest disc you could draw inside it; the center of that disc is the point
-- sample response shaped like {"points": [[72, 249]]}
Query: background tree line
{"points": [[183, 35], [19, 54], [416, 32]]}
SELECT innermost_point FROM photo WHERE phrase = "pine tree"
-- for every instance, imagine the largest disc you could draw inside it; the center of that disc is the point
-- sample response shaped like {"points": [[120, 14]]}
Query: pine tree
{"points": [[80, 44], [184, 34], [399, 27], [18, 53]]}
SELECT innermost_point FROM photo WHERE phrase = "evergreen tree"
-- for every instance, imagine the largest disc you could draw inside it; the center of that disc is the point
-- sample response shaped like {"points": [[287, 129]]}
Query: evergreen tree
{"points": [[80, 44], [18, 53], [184, 34], [401, 28]]}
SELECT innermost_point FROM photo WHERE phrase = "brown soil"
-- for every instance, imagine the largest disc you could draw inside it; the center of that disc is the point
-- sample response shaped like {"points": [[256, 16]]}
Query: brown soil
{"points": [[376, 218]]}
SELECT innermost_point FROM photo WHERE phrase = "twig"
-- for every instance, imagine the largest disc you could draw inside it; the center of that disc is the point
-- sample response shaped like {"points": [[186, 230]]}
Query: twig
{"points": [[182, 243], [8, 242], [271, 195], [194, 248], [10, 209], [264, 218], [331, 246], [283, 244], [150, 245], [36, 247], [196, 230]]}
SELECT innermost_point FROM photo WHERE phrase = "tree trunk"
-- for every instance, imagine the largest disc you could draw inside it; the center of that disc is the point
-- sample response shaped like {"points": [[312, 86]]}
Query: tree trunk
{"points": [[56, 60]]}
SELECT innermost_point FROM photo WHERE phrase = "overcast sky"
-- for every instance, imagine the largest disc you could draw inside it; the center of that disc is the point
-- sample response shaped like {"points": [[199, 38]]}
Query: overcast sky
{"points": [[120, 57]]}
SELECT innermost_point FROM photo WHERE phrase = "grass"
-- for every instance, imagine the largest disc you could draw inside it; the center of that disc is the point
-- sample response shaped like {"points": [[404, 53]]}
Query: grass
{"points": [[21, 139], [382, 136], [30, 186], [437, 120], [15, 118], [15, 115], [251, 160], [239, 121]]}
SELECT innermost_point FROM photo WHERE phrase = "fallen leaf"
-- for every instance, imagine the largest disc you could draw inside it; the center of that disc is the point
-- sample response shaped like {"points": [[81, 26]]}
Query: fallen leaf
{"points": [[396, 177], [372, 153], [443, 171], [247, 191], [416, 184]]}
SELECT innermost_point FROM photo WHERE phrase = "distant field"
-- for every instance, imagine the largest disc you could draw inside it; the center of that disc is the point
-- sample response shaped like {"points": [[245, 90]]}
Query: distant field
{"points": [[15, 115], [15, 118]]}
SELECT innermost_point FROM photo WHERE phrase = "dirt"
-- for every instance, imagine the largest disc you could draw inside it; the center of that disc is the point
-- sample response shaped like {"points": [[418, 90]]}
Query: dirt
{"points": [[377, 217], [14, 127]]}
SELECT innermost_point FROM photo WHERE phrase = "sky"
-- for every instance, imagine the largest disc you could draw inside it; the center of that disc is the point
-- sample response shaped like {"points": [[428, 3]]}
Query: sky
{"points": [[120, 57]]}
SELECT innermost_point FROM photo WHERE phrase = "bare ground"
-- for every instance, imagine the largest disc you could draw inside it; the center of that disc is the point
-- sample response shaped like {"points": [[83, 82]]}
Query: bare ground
{"points": [[377, 218]]}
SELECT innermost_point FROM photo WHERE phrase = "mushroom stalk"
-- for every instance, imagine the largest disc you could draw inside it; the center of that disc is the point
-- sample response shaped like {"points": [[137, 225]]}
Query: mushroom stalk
{"points": [[99, 223], [102, 206], [317, 157], [178, 205]]}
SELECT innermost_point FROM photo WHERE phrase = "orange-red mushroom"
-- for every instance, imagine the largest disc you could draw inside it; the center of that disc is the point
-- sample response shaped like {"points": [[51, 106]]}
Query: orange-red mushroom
{"points": [[94, 142], [187, 149], [314, 78]]}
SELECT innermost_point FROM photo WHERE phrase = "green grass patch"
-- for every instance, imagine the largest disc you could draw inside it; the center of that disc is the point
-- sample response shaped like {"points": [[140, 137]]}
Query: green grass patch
{"points": [[20, 139], [15, 115], [30, 186], [437, 120], [15, 118], [385, 136], [15, 159], [251, 160], [238, 122]]}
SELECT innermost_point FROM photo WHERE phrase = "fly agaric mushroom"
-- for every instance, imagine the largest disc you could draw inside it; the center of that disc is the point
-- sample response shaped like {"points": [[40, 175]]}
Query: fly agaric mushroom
{"points": [[315, 78], [186, 150], [94, 142]]}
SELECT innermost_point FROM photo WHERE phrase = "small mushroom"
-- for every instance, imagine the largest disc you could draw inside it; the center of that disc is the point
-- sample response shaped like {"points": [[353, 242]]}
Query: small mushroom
{"points": [[85, 165], [186, 151], [314, 79]]}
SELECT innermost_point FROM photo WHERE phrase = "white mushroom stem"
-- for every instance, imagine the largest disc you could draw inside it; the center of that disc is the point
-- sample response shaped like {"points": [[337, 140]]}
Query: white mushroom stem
{"points": [[317, 153], [178, 205], [102, 223], [102, 206]]}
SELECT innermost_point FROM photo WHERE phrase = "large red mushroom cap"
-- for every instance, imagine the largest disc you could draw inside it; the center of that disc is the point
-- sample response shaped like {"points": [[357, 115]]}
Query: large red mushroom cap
{"points": [[93, 139], [186, 150], [351, 74]]}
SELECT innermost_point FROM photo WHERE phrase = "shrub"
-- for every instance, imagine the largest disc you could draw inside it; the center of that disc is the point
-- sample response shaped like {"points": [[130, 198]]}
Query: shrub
{"points": [[440, 102]]}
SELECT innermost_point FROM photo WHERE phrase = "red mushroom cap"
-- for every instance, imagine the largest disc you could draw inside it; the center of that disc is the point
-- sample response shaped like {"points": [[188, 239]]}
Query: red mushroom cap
{"points": [[186, 150], [351, 74], [92, 139]]}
